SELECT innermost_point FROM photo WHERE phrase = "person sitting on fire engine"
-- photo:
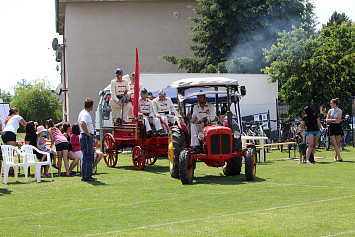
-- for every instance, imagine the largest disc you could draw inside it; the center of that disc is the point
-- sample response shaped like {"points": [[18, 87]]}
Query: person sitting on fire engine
{"points": [[201, 109], [150, 95], [131, 93], [145, 111], [164, 108], [119, 94]]}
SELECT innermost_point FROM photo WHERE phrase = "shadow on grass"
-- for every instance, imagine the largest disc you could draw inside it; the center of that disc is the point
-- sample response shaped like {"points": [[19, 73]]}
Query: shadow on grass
{"points": [[224, 180], [96, 183], [148, 168], [4, 191], [346, 161]]}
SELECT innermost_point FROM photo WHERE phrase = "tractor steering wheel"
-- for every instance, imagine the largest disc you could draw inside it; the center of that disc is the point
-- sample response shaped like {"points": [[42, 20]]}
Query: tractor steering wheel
{"points": [[209, 116]]}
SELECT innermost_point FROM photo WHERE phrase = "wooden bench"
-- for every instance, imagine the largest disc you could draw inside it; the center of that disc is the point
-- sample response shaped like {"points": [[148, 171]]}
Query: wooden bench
{"points": [[289, 144]]}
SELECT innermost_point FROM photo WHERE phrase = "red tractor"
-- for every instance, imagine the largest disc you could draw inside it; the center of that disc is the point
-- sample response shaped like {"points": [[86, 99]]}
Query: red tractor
{"points": [[220, 137]]}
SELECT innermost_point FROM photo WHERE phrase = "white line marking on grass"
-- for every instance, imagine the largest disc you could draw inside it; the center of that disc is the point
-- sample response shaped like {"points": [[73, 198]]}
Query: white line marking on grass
{"points": [[308, 185], [342, 233], [217, 216]]}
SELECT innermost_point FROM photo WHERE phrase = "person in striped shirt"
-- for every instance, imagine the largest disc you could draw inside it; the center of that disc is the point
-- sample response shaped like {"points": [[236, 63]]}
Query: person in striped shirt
{"points": [[145, 112], [119, 96], [201, 109], [131, 94], [61, 146]]}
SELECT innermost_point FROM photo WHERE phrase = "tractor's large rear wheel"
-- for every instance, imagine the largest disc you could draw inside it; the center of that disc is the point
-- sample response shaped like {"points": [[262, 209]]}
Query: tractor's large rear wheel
{"points": [[233, 166], [138, 158], [250, 163], [109, 148], [177, 141], [186, 170]]}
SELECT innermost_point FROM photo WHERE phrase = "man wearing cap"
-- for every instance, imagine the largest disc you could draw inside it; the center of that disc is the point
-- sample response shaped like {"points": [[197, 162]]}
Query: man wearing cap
{"points": [[131, 94], [164, 108], [119, 93], [201, 109], [145, 111], [150, 95]]}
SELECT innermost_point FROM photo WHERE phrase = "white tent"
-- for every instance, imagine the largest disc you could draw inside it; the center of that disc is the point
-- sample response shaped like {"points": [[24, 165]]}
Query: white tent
{"points": [[4, 111]]}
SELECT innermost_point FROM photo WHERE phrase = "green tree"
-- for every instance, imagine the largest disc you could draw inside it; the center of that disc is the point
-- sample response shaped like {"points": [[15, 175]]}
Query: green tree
{"points": [[314, 69], [5, 96], [36, 101], [229, 34], [337, 18]]}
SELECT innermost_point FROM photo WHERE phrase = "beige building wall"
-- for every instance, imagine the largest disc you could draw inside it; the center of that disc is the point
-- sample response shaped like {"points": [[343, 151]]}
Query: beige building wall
{"points": [[103, 35]]}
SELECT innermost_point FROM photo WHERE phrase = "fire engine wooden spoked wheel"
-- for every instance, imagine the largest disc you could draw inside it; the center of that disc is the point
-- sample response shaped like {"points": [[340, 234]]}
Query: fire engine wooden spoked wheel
{"points": [[138, 158], [250, 163], [109, 148], [149, 160], [186, 170]]}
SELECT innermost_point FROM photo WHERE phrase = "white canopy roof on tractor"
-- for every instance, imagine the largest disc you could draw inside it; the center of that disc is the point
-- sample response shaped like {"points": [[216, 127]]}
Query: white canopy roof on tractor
{"points": [[217, 85], [204, 82]]}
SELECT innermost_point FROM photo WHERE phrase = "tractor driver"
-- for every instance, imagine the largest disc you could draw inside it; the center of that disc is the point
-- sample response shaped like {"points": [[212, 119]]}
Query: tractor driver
{"points": [[164, 108], [119, 94], [201, 109], [145, 111]]}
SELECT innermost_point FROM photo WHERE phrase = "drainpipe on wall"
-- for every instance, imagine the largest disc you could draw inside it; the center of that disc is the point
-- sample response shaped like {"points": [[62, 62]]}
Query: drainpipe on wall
{"points": [[65, 89]]}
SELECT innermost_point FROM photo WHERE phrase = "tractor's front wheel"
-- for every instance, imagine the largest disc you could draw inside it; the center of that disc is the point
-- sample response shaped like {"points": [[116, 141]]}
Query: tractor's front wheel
{"points": [[233, 166], [177, 141], [186, 170], [250, 163]]}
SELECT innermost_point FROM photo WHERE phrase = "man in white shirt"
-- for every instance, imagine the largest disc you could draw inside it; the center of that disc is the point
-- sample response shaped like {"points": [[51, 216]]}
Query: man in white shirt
{"points": [[119, 96], [164, 108], [145, 112], [131, 94], [201, 109], [86, 140]]}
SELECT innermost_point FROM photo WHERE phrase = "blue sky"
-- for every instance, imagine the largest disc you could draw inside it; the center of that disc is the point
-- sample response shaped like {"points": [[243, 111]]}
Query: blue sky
{"points": [[28, 27]]}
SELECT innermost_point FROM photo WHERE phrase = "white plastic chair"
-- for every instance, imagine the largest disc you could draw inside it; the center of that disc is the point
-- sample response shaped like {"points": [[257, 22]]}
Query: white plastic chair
{"points": [[31, 159], [9, 161]]}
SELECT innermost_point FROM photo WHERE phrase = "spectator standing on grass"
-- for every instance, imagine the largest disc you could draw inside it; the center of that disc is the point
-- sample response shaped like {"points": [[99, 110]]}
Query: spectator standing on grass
{"points": [[335, 130], [12, 122], [61, 146], [313, 124], [86, 140]]}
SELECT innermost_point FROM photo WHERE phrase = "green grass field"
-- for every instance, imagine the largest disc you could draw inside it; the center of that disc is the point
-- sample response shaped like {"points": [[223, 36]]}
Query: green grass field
{"points": [[287, 199]]}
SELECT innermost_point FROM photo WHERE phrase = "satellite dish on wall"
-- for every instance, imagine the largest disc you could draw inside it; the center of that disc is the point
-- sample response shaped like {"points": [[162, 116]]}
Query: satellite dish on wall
{"points": [[59, 89], [58, 54], [55, 44]]}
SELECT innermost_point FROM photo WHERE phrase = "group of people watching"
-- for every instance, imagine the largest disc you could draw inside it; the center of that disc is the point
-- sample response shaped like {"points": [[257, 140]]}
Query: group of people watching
{"points": [[64, 136]]}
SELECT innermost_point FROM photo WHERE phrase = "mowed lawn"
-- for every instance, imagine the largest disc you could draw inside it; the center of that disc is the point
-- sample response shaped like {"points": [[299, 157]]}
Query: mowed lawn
{"points": [[287, 199]]}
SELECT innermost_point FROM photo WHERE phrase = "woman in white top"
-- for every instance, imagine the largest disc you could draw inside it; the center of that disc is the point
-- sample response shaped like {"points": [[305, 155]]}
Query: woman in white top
{"points": [[11, 125], [335, 131]]}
